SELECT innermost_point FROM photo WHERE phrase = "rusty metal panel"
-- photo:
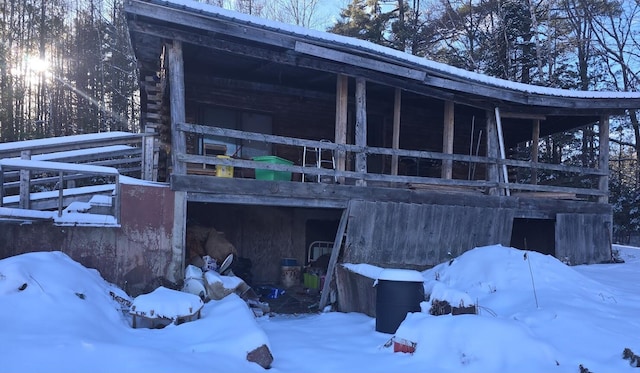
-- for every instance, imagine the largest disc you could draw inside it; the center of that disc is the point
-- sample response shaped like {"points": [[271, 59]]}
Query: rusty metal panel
{"points": [[135, 256]]}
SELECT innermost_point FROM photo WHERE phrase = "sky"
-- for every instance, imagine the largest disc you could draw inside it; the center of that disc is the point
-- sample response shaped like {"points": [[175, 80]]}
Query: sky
{"points": [[60, 316]]}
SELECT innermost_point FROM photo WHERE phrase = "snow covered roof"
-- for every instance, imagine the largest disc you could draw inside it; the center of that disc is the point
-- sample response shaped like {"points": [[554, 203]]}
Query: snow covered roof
{"points": [[364, 54]]}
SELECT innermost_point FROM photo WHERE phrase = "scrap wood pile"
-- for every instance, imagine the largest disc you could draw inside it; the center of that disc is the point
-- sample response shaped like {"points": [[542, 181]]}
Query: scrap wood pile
{"points": [[209, 274]]}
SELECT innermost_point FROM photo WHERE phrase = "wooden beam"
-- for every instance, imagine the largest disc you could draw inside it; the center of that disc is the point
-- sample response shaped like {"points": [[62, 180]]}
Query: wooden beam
{"points": [[356, 60], [209, 25], [177, 103], [492, 151], [515, 115], [505, 174], [447, 139], [148, 159], [342, 101], [250, 191], [25, 183], [603, 158], [535, 143], [337, 244], [179, 146], [361, 127], [395, 141]]}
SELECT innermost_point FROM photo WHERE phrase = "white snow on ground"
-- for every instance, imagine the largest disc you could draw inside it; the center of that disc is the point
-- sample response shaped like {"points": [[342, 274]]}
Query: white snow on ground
{"points": [[58, 316]]}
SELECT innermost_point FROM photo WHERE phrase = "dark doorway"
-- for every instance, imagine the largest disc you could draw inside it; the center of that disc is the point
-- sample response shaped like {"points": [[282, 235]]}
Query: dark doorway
{"points": [[320, 231], [534, 234]]}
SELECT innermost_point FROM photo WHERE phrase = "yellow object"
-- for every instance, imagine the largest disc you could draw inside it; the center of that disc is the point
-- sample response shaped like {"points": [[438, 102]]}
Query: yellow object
{"points": [[224, 171]]}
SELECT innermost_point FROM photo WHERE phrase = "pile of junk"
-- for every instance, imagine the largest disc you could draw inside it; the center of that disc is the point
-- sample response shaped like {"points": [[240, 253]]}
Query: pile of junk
{"points": [[214, 269]]}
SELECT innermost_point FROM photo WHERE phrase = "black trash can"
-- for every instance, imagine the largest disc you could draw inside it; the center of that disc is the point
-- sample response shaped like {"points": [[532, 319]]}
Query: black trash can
{"points": [[399, 291]]}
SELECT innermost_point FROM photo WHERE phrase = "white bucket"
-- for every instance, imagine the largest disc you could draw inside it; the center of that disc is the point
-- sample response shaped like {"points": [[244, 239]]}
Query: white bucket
{"points": [[195, 286], [290, 276]]}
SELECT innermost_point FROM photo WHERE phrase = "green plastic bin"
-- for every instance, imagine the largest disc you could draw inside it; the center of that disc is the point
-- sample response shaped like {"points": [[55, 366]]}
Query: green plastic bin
{"points": [[271, 174]]}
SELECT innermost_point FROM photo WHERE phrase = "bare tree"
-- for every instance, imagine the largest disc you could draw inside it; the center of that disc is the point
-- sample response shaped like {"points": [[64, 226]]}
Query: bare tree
{"points": [[296, 12], [618, 42]]}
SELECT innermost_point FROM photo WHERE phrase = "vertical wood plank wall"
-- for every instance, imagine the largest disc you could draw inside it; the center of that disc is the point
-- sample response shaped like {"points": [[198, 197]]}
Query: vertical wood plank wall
{"points": [[402, 234], [582, 238]]}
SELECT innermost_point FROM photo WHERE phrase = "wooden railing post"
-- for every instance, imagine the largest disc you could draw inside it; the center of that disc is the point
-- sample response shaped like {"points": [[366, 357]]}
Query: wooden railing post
{"points": [[395, 141], [603, 158], [535, 142], [148, 156], [342, 100], [25, 183], [60, 193], [492, 151], [361, 127], [117, 200], [447, 139], [179, 147], [1, 186]]}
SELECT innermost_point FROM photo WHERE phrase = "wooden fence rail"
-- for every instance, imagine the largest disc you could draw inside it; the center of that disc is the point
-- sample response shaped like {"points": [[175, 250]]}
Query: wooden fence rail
{"points": [[60, 169], [416, 154]]}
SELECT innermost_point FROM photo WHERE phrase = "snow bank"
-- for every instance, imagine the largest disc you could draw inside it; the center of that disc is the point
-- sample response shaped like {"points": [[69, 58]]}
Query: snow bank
{"points": [[58, 316], [502, 276], [476, 343]]}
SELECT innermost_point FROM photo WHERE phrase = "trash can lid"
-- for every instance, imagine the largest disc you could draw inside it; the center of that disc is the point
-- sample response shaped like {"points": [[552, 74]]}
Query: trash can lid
{"points": [[407, 275]]}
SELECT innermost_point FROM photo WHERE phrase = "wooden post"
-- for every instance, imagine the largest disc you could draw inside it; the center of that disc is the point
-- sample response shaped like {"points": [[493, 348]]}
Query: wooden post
{"points": [[603, 157], [25, 183], [333, 259], [395, 141], [177, 99], [447, 139], [179, 146], [148, 164], [492, 151], [505, 174], [60, 193], [361, 127], [342, 99], [117, 200], [1, 187], [535, 142]]}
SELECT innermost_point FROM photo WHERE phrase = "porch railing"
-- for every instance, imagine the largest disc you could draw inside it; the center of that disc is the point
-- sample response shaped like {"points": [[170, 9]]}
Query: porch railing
{"points": [[499, 185], [60, 189]]}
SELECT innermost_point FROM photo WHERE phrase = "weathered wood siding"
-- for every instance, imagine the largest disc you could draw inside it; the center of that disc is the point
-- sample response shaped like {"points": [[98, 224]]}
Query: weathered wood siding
{"points": [[356, 292], [583, 238], [407, 235]]}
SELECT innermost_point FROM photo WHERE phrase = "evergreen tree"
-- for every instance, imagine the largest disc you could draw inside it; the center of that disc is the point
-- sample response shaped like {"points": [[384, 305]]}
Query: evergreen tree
{"points": [[363, 19]]}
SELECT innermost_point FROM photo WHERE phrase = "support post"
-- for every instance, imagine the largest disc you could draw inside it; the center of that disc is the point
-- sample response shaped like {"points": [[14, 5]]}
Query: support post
{"points": [[505, 174], [178, 145], [603, 158], [361, 127], [447, 139], [395, 140], [148, 164], [60, 193], [25, 183], [333, 259], [492, 151], [535, 143], [342, 99]]}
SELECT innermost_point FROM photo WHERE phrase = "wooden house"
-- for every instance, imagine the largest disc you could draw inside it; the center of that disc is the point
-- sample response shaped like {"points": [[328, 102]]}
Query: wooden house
{"points": [[397, 160], [297, 143]]}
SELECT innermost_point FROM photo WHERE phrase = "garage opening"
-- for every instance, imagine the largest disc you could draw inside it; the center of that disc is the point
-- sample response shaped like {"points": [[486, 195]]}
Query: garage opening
{"points": [[534, 234]]}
